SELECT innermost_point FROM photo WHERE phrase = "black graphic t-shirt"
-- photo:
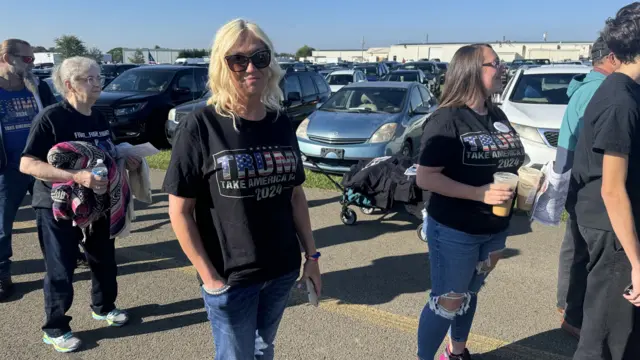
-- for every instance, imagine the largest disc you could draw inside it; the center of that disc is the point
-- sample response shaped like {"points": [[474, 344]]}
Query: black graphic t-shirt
{"points": [[59, 123], [242, 181], [611, 123], [470, 148]]}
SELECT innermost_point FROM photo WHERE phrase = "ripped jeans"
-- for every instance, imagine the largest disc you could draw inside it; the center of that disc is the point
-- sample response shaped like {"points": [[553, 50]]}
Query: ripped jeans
{"points": [[460, 263]]}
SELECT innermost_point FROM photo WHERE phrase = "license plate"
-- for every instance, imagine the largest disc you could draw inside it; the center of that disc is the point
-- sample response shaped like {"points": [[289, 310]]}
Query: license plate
{"points": [[325, 152]]}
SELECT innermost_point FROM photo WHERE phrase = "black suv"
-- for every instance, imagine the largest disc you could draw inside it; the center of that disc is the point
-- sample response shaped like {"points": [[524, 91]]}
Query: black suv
{"points": [[112, 71], [138, 101], [303, 91]]}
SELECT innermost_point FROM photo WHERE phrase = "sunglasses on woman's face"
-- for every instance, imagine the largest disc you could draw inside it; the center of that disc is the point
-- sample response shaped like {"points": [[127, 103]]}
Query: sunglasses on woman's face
{"points": [[25, 59], [496, 64], [260, 59]]}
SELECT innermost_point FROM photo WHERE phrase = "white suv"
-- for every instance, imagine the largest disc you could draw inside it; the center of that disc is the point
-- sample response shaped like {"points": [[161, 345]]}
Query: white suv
{"points": [[340, 78], [534, 101]]}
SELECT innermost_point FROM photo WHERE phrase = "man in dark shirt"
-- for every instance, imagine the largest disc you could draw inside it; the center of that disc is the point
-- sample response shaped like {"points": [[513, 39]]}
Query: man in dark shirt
{"points": [[605, 180]]}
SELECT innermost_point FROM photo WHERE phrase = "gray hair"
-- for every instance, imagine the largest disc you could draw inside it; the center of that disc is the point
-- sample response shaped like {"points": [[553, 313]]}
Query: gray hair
{"points": [[70, 70]]}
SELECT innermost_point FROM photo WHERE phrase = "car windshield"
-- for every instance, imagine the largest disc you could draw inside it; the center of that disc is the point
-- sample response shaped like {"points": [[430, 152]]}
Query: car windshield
{"points": [[368, 70], [366, 100], [141, 81], [403, 77], [542, 89], [340, 79], [108, 70], [426, 67]]}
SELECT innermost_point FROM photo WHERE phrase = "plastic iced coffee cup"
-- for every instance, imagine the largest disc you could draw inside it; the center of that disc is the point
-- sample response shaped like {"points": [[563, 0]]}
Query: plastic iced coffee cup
{"points": [[510, 179], [528, 185]]}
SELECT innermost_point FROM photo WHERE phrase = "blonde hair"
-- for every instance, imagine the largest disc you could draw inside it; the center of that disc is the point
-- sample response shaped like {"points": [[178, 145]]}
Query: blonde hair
{"points": [[10, 46], [70, 70], [464, 77], [224, 95]]}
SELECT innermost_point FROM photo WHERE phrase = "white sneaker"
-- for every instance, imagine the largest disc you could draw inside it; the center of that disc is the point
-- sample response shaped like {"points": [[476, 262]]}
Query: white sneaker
{"points": [[64, 344], [115, 317]]}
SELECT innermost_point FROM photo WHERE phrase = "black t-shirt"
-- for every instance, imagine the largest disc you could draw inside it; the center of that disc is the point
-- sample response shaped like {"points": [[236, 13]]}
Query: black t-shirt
{"points": [[470, 148], [611, 123], [60, 123], [242, 181]]}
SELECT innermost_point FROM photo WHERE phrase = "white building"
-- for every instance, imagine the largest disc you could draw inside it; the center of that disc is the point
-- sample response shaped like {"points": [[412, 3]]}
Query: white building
{"points": [[507, 50], [161, 56], [361, 55]]}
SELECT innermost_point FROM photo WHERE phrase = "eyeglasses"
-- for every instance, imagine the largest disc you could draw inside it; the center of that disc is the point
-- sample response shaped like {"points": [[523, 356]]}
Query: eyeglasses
{"points": [[25, 59], [496, 64], [260, 59], [91, 80]]}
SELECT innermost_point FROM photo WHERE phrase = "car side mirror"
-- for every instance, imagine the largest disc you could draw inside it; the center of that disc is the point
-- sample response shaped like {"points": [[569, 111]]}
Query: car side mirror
{"points": [[182, 91], [294, 96], [421, 110]]}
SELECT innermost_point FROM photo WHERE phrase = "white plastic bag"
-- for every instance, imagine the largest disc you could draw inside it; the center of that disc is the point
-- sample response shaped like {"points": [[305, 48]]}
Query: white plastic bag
{"points": [[550, 200]]}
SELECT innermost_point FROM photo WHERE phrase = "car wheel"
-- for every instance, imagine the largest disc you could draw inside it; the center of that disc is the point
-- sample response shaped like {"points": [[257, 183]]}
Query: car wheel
{"points": [[406, 149]]}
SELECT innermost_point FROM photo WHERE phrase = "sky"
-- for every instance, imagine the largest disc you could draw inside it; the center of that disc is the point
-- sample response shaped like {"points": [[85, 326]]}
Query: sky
{"points": [[325, 24]]}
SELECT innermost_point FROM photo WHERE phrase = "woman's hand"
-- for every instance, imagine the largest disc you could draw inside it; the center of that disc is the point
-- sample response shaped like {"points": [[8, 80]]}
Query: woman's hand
{"points": [[133, 163], [88, 180], [494, 194], [634, 298], [312, 271]]}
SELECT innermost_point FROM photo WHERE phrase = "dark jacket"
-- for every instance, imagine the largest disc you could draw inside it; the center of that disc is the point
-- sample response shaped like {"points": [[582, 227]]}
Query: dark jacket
{"points": [[46, 97]]}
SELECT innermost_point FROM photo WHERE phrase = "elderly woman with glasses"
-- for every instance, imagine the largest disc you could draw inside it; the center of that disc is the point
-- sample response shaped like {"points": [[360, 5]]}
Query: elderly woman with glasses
{"points": [[72, 120], [235, 197]]}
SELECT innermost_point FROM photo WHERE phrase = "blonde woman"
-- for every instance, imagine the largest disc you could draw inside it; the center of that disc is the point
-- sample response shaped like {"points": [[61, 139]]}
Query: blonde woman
{"points": [[235, 197]]}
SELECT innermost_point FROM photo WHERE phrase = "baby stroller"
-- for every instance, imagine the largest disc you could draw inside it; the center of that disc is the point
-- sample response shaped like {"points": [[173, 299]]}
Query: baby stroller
{"points": [[380, 184]]}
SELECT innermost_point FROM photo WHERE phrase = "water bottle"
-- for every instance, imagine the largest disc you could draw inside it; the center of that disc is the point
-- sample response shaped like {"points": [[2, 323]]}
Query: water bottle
{"points": [[100, 170]]}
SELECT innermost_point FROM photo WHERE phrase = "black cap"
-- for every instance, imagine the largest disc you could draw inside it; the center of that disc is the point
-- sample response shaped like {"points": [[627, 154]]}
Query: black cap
{"points": [[599, 50]]}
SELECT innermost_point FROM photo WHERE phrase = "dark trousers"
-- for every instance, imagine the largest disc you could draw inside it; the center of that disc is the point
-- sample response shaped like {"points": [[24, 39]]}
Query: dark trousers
{"points": [[610, 326], [59, 242], [13, 187], [572, 274]]}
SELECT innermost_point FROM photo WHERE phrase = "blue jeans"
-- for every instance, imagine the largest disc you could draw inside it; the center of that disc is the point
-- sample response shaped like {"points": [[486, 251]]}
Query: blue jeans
{"points": [[13, 187], [460, 263], [237, 314]]}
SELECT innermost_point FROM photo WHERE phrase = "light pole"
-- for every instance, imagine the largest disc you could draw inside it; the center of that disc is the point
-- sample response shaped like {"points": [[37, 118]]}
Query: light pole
{"points": [[362, 55]]}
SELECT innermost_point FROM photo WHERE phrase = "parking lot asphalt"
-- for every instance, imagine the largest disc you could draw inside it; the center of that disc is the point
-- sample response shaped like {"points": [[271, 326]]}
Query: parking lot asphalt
{"points": [[376, 282]]}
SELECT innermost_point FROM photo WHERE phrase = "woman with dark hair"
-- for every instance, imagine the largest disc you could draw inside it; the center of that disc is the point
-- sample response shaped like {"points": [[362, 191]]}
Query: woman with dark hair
{"points": [[466, 141]]}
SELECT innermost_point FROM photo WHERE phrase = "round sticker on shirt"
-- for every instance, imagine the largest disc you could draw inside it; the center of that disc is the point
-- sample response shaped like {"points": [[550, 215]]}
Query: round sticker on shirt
{"points": [[501, 127]]}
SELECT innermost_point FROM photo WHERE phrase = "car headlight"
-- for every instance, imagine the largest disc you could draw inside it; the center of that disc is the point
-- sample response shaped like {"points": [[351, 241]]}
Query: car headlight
{"points": [[301, 132], [384, 133], [528, 132], [172, 115], [129, 109]]}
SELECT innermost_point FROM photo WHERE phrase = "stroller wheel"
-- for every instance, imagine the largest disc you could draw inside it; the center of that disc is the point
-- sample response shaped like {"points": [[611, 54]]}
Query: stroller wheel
{"points": [[348, 216], [420, 234], [367, 210]]}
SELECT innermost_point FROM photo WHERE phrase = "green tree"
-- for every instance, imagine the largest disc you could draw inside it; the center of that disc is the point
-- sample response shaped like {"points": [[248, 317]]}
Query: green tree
{"points": [[95, 54], [116, 55], [284, 55], [37, 49], [193, 53], [69, 46], [52, 49], [138, 57], [157, 47], [304, 51]]}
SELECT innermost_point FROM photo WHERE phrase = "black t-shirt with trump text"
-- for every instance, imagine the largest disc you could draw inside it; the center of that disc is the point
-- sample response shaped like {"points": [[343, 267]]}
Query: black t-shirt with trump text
{"points": [[242, 180], [60, 123], [470, 148]]}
